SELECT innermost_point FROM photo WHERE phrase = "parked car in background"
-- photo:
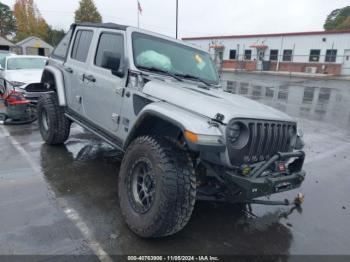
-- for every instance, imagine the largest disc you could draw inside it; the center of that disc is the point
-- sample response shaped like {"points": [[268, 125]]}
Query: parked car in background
{"points": [[24, 73], [4, 53]]}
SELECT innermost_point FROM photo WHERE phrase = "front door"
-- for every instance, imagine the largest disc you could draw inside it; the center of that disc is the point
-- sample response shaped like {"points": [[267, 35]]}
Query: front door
{"points": [[260, 59], [346, 63], [102, 97], [76, 67]]}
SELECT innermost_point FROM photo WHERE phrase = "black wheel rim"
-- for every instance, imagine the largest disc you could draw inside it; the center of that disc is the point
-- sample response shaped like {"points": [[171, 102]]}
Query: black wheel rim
{"points": [[44, 120], [141, 185]]}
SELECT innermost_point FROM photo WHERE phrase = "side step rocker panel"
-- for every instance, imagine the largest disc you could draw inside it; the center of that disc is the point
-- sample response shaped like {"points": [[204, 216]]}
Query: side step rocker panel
{"points": [[108, 138]]}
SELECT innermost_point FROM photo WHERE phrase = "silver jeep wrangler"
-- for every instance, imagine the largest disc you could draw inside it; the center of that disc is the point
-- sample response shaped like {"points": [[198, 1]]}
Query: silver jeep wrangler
{"points": [[184, 139]]}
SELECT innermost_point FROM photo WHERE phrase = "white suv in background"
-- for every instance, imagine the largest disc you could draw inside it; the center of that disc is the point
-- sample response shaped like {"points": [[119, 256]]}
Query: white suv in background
{"points": [[24, 72]]}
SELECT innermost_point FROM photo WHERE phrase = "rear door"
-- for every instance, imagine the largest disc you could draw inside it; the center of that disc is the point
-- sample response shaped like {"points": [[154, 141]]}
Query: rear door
{"points": [[76, 65], [102, 98]]}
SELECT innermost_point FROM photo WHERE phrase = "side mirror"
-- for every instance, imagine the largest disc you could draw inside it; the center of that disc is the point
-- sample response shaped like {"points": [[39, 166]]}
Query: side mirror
{"points": [[113, 61]]}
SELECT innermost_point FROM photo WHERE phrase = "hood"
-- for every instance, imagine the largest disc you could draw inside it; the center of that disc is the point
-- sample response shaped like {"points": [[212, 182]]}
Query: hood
{"points": [[26, 76], [213, 101]]}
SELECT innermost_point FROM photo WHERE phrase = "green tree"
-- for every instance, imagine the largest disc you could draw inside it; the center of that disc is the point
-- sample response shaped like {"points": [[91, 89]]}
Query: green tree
{"points": [[338, 19], [54, 36], [8, 24], [87, 12], [29, 20]]}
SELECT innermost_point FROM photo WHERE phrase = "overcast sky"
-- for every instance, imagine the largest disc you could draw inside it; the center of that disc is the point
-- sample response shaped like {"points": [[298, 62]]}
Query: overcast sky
{"points": [[201, 17]]}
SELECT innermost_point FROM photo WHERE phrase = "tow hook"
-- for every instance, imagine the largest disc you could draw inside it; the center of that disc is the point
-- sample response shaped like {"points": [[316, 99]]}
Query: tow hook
{"points": [[299, 199]]}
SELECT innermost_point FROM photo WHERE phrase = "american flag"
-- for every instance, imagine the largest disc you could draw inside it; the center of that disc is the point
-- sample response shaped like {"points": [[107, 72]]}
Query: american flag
{"points": [[139, 7]]}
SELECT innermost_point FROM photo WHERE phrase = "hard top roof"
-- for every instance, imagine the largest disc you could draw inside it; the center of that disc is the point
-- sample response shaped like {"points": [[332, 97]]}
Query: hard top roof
{"points": [[103, 25]]}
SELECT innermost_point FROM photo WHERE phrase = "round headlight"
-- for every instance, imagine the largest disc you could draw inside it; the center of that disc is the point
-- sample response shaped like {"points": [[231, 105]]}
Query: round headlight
{"points": [[237, 134], [234, 132]]}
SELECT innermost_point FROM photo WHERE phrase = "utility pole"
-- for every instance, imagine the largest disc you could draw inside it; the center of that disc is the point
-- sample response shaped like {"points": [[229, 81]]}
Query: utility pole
{"points": [[177, 16], [139, 11]]}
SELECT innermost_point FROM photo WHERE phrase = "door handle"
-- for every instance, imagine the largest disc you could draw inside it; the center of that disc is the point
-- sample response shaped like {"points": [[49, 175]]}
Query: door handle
{"points": [[90, 78], [69, 70]]}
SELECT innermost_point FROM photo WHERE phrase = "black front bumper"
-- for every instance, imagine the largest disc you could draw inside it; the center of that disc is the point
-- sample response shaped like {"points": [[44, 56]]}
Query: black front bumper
{"points": [[261, 181]]}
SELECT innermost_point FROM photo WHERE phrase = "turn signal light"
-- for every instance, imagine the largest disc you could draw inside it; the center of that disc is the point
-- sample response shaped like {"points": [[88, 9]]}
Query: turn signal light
{"points": [[202, 139], [192, 137]]}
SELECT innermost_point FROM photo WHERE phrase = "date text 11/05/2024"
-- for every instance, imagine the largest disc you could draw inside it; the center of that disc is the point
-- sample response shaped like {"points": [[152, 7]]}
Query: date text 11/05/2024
{"points": [[173, 258]]}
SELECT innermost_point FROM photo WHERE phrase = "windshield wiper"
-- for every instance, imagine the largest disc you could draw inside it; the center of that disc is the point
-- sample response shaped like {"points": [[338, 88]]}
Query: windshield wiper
{"points": [[158, 70], [194, 78]]}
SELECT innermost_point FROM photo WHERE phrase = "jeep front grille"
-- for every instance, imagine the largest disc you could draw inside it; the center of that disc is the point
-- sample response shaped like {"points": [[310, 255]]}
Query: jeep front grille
{"points": [[265, 139]]}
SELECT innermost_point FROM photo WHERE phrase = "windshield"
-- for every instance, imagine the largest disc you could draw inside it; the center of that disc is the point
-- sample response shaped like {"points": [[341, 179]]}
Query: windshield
{"points": [[2, 58], [2, 62], [154, 52], [3, 55], [25, 63]]}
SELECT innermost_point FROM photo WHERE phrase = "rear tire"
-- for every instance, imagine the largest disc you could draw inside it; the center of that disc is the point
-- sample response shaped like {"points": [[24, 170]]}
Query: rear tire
{"points": [[53, 124], [161, 202]]}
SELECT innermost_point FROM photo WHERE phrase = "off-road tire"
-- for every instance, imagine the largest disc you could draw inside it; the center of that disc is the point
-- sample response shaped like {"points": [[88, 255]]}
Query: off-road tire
{"points": [[58, 125], [175, 187]]}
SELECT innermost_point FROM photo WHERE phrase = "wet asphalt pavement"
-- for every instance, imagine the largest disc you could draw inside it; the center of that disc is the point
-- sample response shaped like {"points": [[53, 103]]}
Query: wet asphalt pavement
{"points": [[63, 199]]}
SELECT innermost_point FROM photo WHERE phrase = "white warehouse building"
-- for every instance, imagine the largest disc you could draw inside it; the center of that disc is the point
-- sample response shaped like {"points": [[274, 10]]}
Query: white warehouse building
{"points": [[324, 52]]}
